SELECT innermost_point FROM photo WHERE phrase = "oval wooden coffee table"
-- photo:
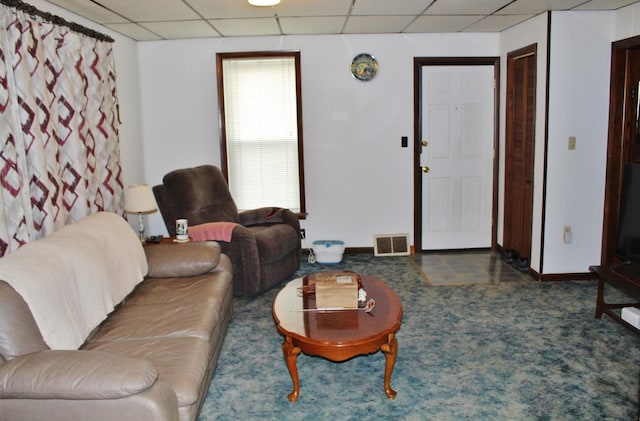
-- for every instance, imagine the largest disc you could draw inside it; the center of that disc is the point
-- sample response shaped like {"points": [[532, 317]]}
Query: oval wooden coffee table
{"points": [[338, 335]]}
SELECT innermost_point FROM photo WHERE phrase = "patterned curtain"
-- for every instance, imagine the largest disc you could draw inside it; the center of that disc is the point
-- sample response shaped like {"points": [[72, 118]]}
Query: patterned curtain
{"points": [[59, 148]]}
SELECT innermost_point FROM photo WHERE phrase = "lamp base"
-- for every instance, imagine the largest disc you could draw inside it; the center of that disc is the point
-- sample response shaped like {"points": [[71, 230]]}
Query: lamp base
{"points": [[141, 228]]}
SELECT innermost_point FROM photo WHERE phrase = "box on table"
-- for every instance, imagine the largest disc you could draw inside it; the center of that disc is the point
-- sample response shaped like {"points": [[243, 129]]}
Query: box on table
{"points": [[336, 290]]}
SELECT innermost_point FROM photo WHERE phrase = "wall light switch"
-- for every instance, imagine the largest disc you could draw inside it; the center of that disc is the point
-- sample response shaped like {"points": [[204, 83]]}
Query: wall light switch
{"points": [[572, 143]]}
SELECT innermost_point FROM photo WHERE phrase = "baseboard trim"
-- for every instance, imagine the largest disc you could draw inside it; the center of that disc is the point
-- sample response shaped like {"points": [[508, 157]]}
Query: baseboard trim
{"points": [[358, 250], [555, 277], [347, 250]]}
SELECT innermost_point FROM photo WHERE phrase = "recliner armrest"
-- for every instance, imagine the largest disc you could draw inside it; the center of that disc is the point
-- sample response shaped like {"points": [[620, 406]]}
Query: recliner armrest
{"points": [[269, 216], [75, 375]]}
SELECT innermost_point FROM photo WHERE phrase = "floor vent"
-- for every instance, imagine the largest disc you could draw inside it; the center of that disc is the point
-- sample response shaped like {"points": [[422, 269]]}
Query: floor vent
{"points": [[391, 245]]}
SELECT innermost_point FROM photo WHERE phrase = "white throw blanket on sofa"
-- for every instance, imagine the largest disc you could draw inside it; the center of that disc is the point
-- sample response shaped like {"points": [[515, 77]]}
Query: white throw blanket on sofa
{"points": [[73, 278]]}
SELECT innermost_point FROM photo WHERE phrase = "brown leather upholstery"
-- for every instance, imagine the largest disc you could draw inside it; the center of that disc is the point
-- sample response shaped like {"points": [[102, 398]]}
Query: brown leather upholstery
{"points": [[265, 247], [152, 358]]}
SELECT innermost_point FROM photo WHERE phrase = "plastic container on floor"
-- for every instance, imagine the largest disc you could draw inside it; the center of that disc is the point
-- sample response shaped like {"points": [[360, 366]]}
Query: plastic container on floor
{"points": [[328, 251]]}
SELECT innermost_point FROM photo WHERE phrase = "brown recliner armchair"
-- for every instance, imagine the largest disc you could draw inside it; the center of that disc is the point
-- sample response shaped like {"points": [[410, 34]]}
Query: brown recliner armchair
{"points": [[263, 244]]}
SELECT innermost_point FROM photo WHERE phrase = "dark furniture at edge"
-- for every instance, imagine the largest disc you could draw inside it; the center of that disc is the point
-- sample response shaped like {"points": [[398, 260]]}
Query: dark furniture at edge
{"points": [[624, 277]]}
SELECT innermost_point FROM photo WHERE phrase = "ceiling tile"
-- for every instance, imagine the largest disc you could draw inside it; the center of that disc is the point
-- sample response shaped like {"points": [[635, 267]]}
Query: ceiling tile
{"points": [[182, 29], [246, 27], [143, 11], [528, 7], [377, 7], [376, 24], [238, 18], [312, 8], [605, 4], [134, 31], [89, 10], [455, 7], [225, 9], [312, 25], [432, 24], [497, 23]]}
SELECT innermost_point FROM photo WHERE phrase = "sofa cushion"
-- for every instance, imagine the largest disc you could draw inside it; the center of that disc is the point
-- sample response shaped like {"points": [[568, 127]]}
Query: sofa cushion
{"points": [[71, 374], [181, 291], [152, 321], [170, 307], [181, 362], [178, 260]]}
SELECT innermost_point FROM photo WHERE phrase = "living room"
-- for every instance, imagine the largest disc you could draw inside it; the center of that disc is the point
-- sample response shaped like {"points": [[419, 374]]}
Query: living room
{"points": [[516, 350], [352, 130]]}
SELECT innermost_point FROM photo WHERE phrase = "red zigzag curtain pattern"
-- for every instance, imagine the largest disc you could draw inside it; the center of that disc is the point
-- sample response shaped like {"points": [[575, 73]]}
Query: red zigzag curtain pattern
{"points": [[59, 148]]}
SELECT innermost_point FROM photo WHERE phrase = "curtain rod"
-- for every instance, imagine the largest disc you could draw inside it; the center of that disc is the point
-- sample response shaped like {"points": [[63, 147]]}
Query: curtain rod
{"points": [[76, 27]]}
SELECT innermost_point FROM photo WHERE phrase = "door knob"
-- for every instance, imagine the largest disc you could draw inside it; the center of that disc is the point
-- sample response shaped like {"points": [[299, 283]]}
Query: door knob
{"points": [[425, 169], [425, 143]]}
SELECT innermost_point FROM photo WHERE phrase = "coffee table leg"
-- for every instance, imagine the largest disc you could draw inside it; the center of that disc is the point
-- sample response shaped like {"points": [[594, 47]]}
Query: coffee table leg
{"points": [[290, 356], [390, 350]]}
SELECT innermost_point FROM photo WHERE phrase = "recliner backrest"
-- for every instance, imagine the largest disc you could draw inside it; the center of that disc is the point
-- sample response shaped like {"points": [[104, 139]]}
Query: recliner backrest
{"points": [[200, 195]]}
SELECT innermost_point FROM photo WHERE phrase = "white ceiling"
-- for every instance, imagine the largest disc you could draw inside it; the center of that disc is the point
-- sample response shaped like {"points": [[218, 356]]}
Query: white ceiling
{"points": [[146, 20]]}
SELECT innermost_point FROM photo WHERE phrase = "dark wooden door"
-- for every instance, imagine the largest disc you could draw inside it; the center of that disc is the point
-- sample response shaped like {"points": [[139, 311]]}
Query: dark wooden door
{"points": [[519, 150], [624, 135]]}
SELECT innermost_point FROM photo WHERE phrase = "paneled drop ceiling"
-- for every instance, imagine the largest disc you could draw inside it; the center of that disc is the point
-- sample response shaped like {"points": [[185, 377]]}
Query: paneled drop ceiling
{"points": [[147, 20]]}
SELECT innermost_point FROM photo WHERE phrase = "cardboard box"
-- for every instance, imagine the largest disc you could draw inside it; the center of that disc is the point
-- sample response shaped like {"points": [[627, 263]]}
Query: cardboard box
{"points": [[336, 291]]}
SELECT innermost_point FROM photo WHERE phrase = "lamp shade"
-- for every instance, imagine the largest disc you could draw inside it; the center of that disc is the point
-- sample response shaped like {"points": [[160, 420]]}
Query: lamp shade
{"points": [[263, 2], [139, 199]]}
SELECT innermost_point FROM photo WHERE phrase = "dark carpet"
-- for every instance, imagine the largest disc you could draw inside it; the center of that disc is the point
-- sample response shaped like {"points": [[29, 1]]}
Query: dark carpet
{"points": [[507, 351]]}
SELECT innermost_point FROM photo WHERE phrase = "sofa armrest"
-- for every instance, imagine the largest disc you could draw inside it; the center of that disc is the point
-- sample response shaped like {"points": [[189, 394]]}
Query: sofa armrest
{"points": [[75, 375], [269, 216], [184, 259]]}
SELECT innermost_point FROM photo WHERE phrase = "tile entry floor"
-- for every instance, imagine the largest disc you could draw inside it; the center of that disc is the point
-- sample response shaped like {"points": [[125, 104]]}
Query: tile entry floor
{"points": [[466, 268]]}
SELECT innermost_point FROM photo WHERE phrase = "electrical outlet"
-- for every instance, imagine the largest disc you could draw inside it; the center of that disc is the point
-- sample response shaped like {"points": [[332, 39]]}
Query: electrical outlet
{"points": [[303, 233], [567, 235]]}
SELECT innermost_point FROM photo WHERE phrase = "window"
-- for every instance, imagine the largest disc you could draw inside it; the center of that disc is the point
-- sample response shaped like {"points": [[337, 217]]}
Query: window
{"points": [[261, 128]]}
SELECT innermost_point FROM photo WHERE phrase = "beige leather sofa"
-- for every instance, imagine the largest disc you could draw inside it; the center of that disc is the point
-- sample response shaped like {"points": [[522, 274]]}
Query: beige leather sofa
{"points": [[151, 356]]}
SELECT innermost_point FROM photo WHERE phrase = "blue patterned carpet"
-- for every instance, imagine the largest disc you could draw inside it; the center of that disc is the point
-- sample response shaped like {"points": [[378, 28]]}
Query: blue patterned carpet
{"points": [[507, 351]]}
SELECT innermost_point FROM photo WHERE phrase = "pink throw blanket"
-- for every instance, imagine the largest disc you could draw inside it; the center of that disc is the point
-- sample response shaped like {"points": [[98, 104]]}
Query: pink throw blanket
{"points": [[212, 231]]}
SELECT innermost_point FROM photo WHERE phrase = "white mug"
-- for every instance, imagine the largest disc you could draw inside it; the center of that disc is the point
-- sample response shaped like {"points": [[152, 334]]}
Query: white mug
{"points": [[182, 228]]}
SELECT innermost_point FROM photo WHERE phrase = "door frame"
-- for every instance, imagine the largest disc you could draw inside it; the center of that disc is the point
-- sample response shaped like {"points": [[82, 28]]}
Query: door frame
{"points": [[625, 59], [418, 63]]}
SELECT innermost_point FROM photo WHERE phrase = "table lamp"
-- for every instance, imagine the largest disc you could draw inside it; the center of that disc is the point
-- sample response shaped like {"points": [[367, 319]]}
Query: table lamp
{"points": [[139, 199]]}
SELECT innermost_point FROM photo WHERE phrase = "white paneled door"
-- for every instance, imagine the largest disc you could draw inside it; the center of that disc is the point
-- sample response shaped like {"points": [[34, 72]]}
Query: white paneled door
{"points": [[457, 156]]}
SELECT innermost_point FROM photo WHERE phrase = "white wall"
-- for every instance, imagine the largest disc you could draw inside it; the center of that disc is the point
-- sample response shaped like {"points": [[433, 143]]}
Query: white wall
{"points": [[578, 103], [627, 22], [578, 106], [532, 31], [359, 181], [358, 178]]}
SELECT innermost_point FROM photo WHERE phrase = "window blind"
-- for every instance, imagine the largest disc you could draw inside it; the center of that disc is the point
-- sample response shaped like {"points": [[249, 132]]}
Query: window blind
{"points": [[261, 131]]}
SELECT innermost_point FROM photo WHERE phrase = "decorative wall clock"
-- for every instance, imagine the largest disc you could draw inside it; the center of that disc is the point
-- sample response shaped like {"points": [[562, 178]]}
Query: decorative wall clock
{"points": [[364, 67]]}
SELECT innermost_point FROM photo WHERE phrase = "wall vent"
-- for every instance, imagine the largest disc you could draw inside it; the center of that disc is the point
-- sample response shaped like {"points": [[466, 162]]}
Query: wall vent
{"points": [[391, 245]]}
